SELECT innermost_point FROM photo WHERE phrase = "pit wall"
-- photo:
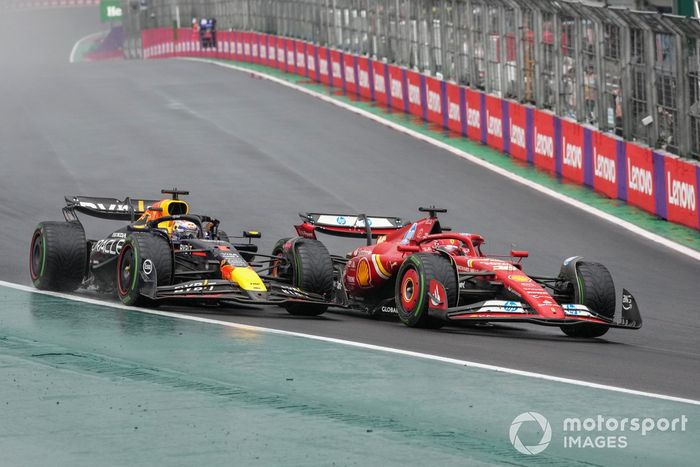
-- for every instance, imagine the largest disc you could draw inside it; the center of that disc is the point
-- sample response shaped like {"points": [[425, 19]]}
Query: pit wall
{"points": [[657, 182]]}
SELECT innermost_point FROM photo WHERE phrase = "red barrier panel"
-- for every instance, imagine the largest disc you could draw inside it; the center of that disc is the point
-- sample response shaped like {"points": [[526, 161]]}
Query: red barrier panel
{"points": [[291, 50], [433, 100], [261, 54], [454, 107], [250, 40], [311, 60], [413, 90], [301, 58], [280, 45], [681, 191], [640, 177], [396, 87], [323, 65], [222, 44], [255, 46], [363, 71], [381, 83], [494, 122], [349, 73], [572, 151], [605, 169], [544, 140], [270, 43], [517, 125], [241, 46], [473, 114], [336, 68]]}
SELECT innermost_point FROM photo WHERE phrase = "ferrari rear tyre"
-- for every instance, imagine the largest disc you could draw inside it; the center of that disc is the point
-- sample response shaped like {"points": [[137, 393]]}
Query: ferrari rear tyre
{"points": [[145, 252], [412, 288], [58, 256], [596, 290], [311, 269]]}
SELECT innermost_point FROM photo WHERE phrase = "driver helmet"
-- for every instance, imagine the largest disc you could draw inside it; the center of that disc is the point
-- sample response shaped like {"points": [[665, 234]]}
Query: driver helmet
{"points": [[184, 229], [450, 246]]}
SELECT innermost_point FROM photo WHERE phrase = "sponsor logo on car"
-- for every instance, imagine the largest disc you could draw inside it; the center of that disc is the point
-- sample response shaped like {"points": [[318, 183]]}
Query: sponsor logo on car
{"points": [[409, 235], [573, 309], [519, 278], [109, 246], [115, 207]]}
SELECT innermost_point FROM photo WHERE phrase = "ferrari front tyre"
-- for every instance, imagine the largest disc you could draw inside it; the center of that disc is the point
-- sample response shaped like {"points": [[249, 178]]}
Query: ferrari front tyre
{"points": [[311, 270], [412, 288], [596, 290], [142, 251], [58, 256]]}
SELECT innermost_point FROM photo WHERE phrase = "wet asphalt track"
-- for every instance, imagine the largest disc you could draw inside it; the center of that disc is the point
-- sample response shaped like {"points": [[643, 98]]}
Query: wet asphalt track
{"points": [[254, 154]]}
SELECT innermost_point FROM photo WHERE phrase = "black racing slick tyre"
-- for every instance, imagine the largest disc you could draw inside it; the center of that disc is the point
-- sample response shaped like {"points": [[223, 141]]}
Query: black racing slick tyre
{"points": [[311, 270], [596, 290], [412, 288], [142, 251], [58, 256]]}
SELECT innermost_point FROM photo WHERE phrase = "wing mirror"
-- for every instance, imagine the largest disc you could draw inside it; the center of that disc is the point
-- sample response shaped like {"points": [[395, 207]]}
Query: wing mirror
{"points": [[519, 253], [251, 234]]}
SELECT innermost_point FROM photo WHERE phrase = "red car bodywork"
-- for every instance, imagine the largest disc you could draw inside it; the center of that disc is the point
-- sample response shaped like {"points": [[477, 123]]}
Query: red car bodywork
{"points": [[369, 270]]}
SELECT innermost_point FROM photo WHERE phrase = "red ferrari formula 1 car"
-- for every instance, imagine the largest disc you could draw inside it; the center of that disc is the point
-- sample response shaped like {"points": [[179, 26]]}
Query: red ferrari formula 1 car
{"points": [[429, 276]]}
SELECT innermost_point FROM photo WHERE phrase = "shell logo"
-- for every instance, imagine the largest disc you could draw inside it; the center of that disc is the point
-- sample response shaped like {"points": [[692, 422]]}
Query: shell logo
{"points": [[519, 278], [363, 275]]}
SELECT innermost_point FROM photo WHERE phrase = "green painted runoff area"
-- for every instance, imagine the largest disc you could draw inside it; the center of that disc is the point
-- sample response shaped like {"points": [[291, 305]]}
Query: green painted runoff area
{"points": [[86, 385], [618, 208]]}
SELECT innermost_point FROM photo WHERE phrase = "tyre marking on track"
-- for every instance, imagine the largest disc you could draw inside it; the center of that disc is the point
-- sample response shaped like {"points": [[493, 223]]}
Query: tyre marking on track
{"points": [[362, 345], [687, 251]]}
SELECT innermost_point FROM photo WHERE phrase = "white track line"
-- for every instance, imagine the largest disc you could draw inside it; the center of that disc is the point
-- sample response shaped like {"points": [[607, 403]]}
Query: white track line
{"points": [[687, 251], [362, 345], [71, 57]]}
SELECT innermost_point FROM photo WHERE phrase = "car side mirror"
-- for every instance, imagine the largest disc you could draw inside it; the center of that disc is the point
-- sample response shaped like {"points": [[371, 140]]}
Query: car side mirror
{"points": [[519, 253], [251, 234]]}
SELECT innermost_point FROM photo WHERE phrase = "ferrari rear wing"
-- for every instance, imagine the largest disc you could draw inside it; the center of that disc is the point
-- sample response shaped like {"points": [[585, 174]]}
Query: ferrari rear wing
{"points": [[347, 225], [109, 208]]}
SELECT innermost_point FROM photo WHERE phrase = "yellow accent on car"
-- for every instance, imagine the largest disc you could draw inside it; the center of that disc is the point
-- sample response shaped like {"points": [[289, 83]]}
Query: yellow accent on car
{"points": [[377, 260], [247, 279]]}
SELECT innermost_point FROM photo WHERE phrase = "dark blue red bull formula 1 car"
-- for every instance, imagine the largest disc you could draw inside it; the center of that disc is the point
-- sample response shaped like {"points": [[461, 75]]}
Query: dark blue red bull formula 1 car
{"points": [[429, 276]]}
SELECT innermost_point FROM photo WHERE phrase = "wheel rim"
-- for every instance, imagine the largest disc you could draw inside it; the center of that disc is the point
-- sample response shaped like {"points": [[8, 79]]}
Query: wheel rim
{"points": [[37, 255], [125, 270], [275, 267], [409, 290]]}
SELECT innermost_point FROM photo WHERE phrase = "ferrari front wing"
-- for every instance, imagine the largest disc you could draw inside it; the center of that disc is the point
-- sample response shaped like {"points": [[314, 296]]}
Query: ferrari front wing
{"points": [[490, 311]]}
